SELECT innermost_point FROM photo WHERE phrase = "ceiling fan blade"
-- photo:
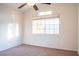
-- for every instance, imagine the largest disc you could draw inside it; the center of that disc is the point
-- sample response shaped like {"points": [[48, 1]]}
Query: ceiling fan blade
{"points": [[35, 7], [22, 5], [47, 3]]}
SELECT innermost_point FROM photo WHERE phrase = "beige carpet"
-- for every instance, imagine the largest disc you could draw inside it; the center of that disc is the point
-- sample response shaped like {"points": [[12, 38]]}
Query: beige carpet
{"points": [[29, 50]]}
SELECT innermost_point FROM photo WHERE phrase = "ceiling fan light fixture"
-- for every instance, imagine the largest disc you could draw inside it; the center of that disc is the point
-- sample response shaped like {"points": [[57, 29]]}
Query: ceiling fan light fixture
{"points": [[31, 4]]}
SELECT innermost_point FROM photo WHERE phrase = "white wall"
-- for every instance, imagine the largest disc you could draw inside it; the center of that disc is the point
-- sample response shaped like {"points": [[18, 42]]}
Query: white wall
{"points": [[66, 39], [78, 28], [9, 16]]}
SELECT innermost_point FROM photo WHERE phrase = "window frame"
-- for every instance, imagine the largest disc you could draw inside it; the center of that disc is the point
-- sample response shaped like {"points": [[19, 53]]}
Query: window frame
{"points": [[45, 25]]}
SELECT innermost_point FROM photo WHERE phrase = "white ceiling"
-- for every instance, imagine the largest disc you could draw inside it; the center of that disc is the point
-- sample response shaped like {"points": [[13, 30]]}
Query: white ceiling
{"points": [[11, 4], [25, 8], [15, 6]]}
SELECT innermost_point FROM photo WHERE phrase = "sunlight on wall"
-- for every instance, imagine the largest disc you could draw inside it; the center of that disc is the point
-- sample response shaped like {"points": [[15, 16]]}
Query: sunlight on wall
{"points": [[13, 30], [45, 13]]}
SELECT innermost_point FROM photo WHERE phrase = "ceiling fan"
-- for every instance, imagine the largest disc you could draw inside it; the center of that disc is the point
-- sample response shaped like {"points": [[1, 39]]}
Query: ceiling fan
{"points": [[33, 5]]}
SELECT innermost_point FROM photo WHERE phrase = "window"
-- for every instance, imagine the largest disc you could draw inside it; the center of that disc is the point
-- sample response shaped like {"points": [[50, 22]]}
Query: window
{"points": [[47, 26]]}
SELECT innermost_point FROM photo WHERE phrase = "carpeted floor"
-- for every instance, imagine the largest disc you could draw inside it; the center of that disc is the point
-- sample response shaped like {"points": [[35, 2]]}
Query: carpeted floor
{"points": [[29, 50]]}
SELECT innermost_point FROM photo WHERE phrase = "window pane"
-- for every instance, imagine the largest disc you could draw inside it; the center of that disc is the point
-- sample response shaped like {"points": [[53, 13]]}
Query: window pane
{"points": [[56, 21], [49, 26]]}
